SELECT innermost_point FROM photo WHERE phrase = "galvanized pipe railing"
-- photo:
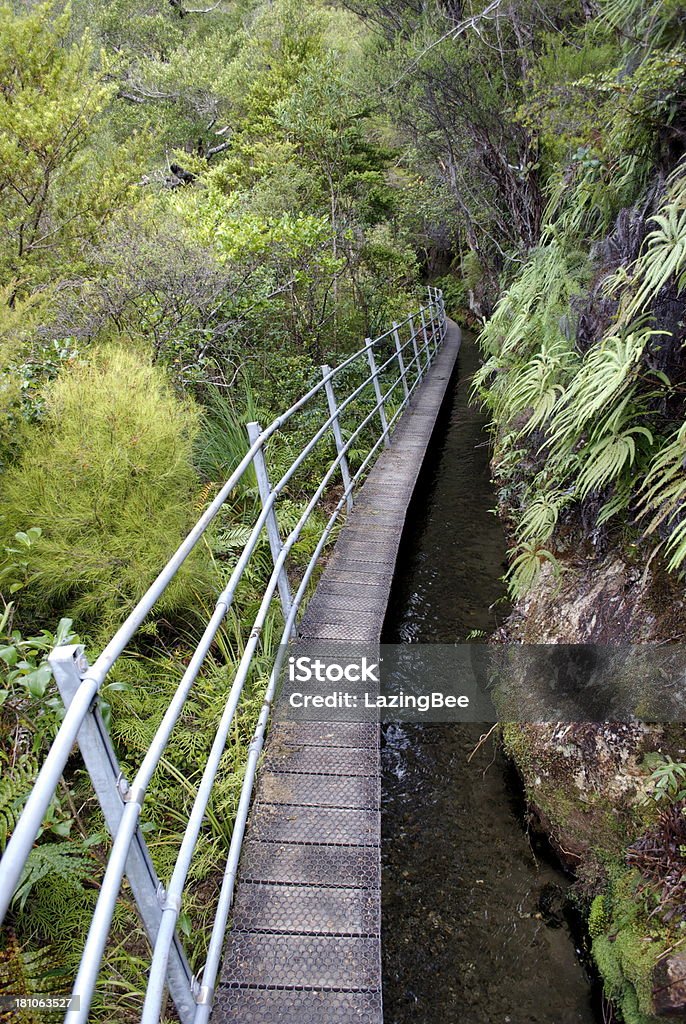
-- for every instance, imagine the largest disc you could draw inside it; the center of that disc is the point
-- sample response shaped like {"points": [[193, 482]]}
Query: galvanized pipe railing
{"points": [[79, 685]]}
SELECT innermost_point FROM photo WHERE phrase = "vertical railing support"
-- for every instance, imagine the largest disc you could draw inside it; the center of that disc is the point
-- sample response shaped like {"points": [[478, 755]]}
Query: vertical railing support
{"points": [[338, 437], [435, 327], [417, 360], [401, 362], [377, 391], [69, 665], [273, 533], [425, 335]]}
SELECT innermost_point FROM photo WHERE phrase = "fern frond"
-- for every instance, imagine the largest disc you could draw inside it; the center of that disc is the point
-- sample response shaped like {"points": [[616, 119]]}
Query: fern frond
{"points": [[529, 560], [14, 791], [63, 860], [28, 972], [664, 494], [541, 516]]}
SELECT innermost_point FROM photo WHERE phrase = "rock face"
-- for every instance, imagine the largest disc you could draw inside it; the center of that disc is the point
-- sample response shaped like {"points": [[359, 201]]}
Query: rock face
{"points": [[583, 781], [607, 602], [669, 987], [586, 782]]}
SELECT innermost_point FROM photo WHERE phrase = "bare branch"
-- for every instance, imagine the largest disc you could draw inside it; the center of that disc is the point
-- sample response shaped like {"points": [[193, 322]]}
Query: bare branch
{"points": [[452, 33]]}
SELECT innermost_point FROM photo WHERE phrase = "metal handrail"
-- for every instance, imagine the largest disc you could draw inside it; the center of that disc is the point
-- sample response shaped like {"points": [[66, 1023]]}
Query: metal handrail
{"points": [[79, 686]]}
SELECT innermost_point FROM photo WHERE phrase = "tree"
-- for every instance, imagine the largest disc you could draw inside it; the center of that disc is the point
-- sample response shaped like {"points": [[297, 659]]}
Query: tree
{"points": [[57, 186]]}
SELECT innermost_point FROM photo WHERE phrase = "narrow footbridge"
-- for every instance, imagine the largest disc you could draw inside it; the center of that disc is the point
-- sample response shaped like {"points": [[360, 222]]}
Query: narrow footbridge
{"points": [[296, 931]]}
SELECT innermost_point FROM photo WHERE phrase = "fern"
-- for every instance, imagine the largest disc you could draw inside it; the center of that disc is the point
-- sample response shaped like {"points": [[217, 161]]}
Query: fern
{"points": [[28, 972], [664, 494], [529, 560], [538, 385], [664, 258], [612, 447], [14, 790], [604, 377], [60, 860], [541, 516], [619, 501]]}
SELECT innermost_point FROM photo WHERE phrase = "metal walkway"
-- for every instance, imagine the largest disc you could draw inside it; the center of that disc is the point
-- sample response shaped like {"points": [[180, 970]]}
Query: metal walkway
{"points": [[307, 916], [305, 943]]}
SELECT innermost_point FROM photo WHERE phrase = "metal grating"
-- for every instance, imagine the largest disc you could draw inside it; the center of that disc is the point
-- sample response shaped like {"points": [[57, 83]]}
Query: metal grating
{"points": [[362, 603], [340, 866], [361, 791], [290, 823], [302, 961], [325, 761], [348, 629], [322, 734], [304, 909], [306, 943], [290, 1006]]}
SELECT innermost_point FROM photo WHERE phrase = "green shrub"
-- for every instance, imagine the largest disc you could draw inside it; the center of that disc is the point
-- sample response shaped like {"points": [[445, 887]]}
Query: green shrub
{"points": [[108, 478]]}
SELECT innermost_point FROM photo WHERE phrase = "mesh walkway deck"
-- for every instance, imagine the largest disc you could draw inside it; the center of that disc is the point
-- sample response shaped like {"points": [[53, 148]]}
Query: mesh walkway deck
{"points": [[305, 944]]}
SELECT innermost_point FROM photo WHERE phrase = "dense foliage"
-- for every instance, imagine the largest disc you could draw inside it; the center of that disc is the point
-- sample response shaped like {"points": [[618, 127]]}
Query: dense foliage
{"points": [[199, 204], [585, 371]]}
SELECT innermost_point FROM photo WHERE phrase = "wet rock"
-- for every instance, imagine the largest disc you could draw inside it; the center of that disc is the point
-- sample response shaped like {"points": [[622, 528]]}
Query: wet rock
{"points": [[669, 987], [583, 780], [551, 905], [602, 601]]}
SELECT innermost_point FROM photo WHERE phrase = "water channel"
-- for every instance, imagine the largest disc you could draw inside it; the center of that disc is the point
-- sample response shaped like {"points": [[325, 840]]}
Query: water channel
{"points": [[475, 921]]}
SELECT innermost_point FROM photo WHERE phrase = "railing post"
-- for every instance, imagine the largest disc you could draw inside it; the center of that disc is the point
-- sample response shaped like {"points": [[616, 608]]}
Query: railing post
{"points": [[401, 362], [69, 665], [434, 326], [377, 391], [425, 335], [275, 543], [418, 362], [338, 437]]}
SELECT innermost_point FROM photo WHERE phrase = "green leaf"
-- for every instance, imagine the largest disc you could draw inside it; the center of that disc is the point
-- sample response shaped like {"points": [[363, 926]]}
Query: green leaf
{"points": [[37, 682], [9, 655], [63, 633]]}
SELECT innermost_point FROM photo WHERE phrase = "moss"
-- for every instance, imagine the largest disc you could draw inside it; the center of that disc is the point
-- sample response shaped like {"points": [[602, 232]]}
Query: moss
{"points": [[582, 823], [626, 970], [598, 917], [626, 945], [597, 825]]}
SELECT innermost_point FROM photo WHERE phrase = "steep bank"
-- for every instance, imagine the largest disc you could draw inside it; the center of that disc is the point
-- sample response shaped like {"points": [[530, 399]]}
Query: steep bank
{"points": [[591, 788]]}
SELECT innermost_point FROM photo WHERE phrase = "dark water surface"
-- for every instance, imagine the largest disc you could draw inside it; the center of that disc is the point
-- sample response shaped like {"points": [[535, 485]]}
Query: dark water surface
{"points": [[473, 922]]}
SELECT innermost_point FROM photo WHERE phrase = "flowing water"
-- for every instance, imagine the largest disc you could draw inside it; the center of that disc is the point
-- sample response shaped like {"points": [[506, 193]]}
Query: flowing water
{"points": [[474, 920]]}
